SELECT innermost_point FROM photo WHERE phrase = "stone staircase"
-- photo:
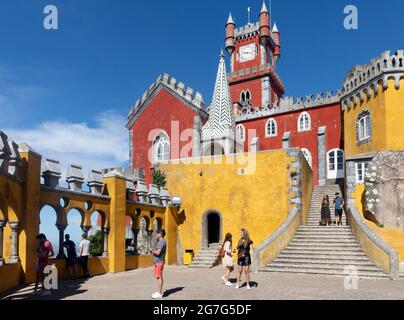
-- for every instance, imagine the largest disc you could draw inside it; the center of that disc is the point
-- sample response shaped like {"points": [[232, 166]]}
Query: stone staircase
{"points": [[324, 250], [207, 257]]}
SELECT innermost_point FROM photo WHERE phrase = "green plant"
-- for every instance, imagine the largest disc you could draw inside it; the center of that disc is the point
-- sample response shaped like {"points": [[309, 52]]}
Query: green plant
{"points": [[96, 244], [159, 178]]}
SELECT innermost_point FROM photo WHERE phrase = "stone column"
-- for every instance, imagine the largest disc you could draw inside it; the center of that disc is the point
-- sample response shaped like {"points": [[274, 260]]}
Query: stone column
{"points": [[286, 140], [149, 238], [322, 156], [61, 228], [2, 225], [106, 233], [14, 243], [135, 235]]}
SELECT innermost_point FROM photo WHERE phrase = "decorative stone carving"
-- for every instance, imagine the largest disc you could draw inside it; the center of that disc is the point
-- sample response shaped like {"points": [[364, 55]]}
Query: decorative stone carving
{"points": [[75, 177], [384, 180], [142, 192], [5, 152], [15, 159], [154, 195], [165, 197], [95, 182], [51, 173]]}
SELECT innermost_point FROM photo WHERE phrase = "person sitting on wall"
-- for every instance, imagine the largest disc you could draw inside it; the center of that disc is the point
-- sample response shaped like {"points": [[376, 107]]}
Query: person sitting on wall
{"points": [[71, 259]]}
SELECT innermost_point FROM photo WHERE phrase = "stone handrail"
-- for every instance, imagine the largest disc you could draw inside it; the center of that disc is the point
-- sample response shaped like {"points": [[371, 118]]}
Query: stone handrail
{"points": [[372, 245], [278, 241]]}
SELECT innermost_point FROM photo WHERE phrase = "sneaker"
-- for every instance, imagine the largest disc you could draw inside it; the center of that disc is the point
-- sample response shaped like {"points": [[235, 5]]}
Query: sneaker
{"points": [[237, 286], [248, 287], [224, 279], [228, 283], [157, 296]]}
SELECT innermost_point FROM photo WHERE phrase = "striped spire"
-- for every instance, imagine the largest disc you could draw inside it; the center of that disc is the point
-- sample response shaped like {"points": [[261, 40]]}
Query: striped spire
{"points": [[221, 122]]}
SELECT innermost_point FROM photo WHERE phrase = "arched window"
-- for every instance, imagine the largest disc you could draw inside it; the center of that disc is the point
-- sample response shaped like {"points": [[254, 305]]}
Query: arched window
{"points": [[307, 155], [364, 127], [161, 148], [245, 97], [304, 123], [241, 132], [271, 129]]}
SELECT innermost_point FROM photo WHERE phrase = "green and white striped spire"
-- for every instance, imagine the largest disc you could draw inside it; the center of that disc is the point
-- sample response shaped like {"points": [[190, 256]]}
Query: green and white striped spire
{"points": [[221, 122]]}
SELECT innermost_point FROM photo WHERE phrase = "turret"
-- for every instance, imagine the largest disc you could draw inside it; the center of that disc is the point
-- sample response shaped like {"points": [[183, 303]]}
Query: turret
{"points": [[230, 35], [277, 39], [265, 28]]}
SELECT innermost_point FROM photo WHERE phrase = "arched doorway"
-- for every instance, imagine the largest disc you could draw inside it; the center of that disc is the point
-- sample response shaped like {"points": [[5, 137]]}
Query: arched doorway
{"points": [[211, 228]]}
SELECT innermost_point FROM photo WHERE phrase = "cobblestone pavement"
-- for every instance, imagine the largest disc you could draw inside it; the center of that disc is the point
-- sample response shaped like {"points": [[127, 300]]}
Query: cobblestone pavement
{"points": [[189, 284]]}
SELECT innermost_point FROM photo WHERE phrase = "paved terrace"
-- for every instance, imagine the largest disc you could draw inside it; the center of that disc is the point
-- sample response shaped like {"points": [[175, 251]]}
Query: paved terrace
{"points": [[189, 284]]}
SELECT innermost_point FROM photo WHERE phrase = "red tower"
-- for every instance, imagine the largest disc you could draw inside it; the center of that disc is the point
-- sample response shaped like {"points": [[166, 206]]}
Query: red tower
{"points": [[254, 51]]}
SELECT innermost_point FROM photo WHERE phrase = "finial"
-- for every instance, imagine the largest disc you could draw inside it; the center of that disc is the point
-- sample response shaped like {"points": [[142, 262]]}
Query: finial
{"points": [[249, 15], [230, 20], [221, 54], [264, 8], [275, 28]]}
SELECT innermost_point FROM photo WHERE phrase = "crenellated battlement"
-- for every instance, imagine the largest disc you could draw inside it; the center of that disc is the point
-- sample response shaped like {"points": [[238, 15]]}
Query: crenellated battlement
{"points": [[191, 97], [249, 30], [288, 104], [363, 80]]}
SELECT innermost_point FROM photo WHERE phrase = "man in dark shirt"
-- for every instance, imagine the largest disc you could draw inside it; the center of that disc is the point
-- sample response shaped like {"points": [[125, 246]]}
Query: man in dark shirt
{"points": [[159, 255], [339, 208], [71, 259]]}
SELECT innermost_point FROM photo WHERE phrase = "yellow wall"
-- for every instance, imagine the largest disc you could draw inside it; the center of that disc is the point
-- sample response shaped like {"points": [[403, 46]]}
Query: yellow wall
{"points": [[395, 117], [258, 202], [138, 262], [376, 106], [392, 237], [9, 276]]}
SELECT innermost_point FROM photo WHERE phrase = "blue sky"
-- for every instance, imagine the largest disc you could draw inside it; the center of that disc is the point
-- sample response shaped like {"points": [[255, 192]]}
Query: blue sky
{"points": [[68, 92]]}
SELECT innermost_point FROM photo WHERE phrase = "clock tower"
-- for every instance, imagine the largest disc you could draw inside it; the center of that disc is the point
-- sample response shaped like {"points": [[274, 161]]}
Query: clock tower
{"points": [[254, 51]]}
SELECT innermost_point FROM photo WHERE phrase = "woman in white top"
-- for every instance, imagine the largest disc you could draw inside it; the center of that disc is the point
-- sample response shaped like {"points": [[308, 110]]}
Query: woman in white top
{"points": [[227, 260]]}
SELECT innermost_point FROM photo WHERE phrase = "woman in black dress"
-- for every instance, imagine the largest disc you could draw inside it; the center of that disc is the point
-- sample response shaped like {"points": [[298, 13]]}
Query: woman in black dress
{"points": [[325, 212], [245, 251]]}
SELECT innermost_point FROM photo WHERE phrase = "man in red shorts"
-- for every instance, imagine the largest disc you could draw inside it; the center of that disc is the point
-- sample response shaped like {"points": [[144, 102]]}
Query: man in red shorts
{"points": [[159, 255]]}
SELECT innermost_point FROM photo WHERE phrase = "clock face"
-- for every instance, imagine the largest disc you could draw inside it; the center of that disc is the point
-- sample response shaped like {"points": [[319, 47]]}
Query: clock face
{"points": [[248, 52]]}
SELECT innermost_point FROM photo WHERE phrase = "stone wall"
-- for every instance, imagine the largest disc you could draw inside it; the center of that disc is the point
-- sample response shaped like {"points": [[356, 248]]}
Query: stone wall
{"points": [[384, 195]]}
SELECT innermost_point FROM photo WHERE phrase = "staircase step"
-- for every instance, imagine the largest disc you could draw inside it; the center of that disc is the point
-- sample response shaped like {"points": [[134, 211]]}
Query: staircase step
{"points": [[311, 266], [325, 261], [321, 257]]}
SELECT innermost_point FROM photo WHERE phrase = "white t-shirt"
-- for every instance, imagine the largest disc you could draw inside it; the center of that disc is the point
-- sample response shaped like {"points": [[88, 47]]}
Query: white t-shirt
{"points": [[85, 244]]}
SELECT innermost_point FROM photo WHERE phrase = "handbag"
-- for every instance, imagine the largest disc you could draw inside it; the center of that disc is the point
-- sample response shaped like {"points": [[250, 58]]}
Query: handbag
{"points": [[222, 253]]}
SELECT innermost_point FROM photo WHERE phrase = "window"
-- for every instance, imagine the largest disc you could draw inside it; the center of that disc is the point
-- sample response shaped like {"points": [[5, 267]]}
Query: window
{"points": [[364, 127], [161, 148], [241, 132], [361, 168], [307, 155], [271, 128], [245, 97], [304, 123]]}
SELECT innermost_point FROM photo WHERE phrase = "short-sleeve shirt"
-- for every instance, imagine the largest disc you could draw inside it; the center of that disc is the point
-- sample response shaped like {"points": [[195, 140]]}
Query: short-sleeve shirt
{"points": [[338, 203], [162, 245], [45, 251], [71, 248], [85, 244]]}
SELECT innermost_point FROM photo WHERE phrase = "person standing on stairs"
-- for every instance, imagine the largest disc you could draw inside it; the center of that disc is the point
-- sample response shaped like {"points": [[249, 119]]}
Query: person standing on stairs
{"points": [[325, 211], [339, 208], [227, 260], [245, 254]]}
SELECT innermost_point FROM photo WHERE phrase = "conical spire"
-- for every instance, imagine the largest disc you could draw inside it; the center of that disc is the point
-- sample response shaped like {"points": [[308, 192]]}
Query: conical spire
{"points": [[221, 122], [230, 20], [275, 28], [264, 8]]}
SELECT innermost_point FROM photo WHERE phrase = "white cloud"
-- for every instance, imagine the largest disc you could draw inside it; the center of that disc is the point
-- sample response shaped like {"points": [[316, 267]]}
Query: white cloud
{"points": [[101, 146]]}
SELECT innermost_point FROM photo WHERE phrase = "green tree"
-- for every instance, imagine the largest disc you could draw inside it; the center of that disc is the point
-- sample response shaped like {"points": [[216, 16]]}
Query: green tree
{"points": [[96, 244], [159, 178]]}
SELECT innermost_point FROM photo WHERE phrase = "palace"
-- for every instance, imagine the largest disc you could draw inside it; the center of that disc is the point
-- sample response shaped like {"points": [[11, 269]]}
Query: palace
{"points": [[251, 159]]}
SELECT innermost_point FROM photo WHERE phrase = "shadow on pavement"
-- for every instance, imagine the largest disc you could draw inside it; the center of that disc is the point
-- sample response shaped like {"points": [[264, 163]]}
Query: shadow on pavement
{"points": [[173, 291]]}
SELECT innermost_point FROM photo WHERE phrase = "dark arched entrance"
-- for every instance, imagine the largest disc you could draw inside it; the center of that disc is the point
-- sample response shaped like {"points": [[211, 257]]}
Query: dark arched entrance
{"points": [[211, 228]]}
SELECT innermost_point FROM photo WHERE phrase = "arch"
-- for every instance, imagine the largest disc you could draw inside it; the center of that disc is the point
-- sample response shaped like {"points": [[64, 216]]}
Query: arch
{"points": [[97, 220], [212, 227], [143, 237], [304, 122], [3, 212], [161, 148], [130, 236], [245, 97], [271, 128], [47, 225], [75, 220], [240, 132], [307, 154]]}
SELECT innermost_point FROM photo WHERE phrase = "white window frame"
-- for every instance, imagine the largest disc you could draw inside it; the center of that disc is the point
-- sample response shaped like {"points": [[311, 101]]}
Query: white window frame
{"points": [[307, 154], [363, 127], [269, 133], [161, 141], [241, 136], [361, 166], [304, 128]]}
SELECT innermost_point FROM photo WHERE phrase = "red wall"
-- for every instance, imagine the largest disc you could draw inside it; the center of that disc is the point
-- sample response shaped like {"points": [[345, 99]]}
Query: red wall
{"points": [[163, 109], [255, 87], [329, 116]]}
